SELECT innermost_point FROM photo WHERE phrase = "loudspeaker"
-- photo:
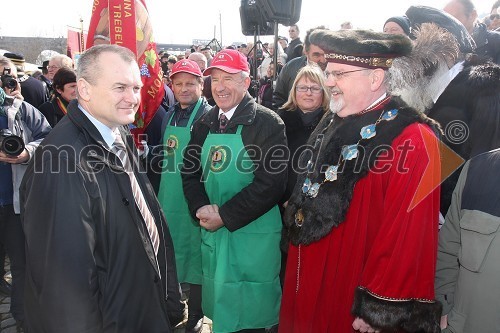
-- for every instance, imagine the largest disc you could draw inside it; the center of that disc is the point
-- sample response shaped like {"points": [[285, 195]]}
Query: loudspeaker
{"points": [[252, 19], [286, 12]]}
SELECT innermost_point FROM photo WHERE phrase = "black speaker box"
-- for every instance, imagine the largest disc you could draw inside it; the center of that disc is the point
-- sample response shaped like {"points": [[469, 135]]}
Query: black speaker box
{"points": [[253, 20], [286, 12]]}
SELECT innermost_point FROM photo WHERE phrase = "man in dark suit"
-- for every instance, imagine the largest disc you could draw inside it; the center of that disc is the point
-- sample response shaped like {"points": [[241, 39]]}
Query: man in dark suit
{"points": [[100, 256]]}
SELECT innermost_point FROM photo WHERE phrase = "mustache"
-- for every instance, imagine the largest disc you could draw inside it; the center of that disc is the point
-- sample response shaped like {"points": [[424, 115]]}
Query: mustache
{"points": [[335, 90]]}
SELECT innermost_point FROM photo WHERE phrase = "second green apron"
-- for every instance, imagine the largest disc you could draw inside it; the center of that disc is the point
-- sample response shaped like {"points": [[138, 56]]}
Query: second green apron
{"points": [[184, 229]]}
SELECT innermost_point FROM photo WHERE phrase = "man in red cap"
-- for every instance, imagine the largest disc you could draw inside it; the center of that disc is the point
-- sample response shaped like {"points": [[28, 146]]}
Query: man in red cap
{"points": [[187, 84], [363, 218], [234, 174]]}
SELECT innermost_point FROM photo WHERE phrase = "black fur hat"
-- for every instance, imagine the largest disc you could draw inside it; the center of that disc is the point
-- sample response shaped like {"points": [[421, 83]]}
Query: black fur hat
{"points": [[424, 14], [361, 48]]}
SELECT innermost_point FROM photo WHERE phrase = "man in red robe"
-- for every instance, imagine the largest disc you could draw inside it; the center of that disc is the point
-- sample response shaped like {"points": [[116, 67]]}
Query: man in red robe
{"points": [[363, 218]]}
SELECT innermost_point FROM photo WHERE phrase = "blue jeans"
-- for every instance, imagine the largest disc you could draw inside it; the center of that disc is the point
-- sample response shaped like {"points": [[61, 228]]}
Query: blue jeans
{"points": [[12, 238]]}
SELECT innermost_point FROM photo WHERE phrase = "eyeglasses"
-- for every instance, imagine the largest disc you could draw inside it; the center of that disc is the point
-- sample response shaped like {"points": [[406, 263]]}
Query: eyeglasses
{"points": [[53, 67], [313, 89], [494, 16], [339, 75]]}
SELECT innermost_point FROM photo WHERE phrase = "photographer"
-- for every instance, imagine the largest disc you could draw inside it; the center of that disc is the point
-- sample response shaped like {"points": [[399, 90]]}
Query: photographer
{"points": [[17, 119]]}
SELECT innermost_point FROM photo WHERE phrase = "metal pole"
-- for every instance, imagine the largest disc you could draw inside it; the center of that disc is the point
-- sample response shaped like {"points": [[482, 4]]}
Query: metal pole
{"points": [[220, 25], [82, 42], [275, 55]]}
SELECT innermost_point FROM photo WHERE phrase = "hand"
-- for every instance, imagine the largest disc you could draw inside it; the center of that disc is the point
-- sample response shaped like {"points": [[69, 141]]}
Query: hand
{"points": [[21, 158], [207, 209], [16, 93], [444, 322], [209, 217], [360, 325]]}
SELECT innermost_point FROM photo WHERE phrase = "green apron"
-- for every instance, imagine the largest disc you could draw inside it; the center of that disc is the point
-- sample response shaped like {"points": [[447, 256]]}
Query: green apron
{"points": [[184, 229], [241, 286]]}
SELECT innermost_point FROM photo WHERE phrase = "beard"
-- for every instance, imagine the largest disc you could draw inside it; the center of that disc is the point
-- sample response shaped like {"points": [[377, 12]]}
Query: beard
{"points": [[337, 104]]}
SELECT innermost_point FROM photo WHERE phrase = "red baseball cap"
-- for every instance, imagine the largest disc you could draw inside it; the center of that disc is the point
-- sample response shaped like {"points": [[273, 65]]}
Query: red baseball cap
{"points": [[186, 66], [230, 61]]}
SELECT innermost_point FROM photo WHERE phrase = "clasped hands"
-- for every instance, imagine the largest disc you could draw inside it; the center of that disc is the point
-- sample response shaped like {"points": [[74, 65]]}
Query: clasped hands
{"points": [[209, 217]]}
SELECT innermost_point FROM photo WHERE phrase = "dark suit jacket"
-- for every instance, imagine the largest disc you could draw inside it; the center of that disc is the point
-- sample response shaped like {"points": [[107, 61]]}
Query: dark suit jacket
{"points": [[90, 263]]}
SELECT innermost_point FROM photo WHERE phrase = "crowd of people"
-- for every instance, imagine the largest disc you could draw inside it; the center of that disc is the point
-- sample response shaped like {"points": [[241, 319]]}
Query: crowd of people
{"points": [[345, 182]]}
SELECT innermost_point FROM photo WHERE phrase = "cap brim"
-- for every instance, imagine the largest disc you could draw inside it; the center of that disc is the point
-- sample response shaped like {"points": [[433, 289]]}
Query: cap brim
{"points": [[222, 68], [184, 71]]}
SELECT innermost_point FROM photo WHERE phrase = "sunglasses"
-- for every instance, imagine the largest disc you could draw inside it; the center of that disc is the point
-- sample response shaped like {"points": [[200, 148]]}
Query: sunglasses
{"points": [[494, 16]]}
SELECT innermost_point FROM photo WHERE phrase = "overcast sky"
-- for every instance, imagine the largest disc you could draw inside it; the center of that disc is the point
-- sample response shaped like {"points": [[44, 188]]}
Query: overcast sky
{"points": [[181, 21]]}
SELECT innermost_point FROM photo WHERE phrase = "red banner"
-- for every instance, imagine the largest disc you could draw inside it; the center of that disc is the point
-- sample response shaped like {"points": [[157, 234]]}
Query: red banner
{"points": [[76, 42], [99, 24], [126, 23], [122, 23]]}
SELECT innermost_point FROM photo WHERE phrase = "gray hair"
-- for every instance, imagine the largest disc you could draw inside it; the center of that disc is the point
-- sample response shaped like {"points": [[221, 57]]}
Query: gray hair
{"points": [[88, 64], [63, 60]]}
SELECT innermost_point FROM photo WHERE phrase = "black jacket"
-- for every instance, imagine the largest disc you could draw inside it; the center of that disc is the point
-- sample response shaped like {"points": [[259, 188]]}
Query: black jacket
{"points": [[33, 91], [264, 133], [297, 135], [285, 81], [291, 49], [90, 265], [467, 110], [266, 92], [52, 111], [487, 43]]}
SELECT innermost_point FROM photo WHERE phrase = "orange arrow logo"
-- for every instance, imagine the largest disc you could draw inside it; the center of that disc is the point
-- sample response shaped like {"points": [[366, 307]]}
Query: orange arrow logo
{"points": [[442, 162]]}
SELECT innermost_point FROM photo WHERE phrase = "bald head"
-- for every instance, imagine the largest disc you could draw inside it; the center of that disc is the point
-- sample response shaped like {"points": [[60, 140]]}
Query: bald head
{"points": [[464, 11], [200, 59]]}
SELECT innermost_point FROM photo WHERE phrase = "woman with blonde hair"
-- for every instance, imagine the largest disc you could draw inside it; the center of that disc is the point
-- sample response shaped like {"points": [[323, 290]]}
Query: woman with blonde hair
{"points": [[308, 101]]}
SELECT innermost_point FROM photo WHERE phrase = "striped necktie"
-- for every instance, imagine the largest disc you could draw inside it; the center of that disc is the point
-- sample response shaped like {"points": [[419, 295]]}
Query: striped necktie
{"points": [[120, 150]]}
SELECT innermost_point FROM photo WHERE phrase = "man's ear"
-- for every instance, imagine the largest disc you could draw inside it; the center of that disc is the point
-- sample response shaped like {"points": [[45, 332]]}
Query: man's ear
{"points": [[377, 79], [474, 15], [248, 81], [84, 89]]}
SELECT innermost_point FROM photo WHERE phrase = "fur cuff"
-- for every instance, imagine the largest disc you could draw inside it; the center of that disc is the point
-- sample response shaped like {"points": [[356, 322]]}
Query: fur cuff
{"points": [[411, 316]]}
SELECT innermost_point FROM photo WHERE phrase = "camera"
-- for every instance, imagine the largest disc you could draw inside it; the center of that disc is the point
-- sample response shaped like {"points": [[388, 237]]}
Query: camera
{"points": [[259, 54], [11, 144], [8, 81]]}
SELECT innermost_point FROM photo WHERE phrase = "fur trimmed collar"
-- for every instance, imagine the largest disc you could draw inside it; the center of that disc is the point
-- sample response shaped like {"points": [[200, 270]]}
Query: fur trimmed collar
{"points": [[329, 208]]}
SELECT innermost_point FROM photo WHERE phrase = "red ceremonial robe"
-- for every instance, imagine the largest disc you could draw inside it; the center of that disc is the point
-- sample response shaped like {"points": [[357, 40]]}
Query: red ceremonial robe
{"points": [[382, 246]]}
